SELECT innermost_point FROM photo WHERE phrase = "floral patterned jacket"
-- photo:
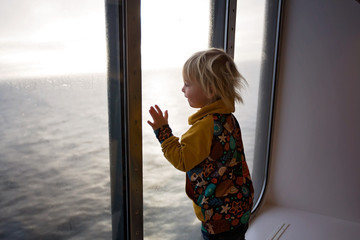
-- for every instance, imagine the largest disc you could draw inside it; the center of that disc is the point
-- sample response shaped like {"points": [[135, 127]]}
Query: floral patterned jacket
{"points": [[212, 155]]}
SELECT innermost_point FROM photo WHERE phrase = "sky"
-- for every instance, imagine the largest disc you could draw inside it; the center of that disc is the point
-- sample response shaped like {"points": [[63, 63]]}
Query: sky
{"points": [[59, 37], [51, 37], [181, 28], [172, 31]]}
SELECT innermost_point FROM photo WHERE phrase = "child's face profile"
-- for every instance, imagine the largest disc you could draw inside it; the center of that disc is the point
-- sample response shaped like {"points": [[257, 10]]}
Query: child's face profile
{"points": [[195, 94]]}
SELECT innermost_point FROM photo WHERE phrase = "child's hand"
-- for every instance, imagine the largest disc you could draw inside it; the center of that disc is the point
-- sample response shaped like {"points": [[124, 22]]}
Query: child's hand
{"points": [[159, 119]]}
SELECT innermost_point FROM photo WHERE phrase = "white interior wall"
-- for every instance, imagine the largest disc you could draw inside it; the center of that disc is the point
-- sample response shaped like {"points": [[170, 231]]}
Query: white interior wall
{"points": [[315, 160]]}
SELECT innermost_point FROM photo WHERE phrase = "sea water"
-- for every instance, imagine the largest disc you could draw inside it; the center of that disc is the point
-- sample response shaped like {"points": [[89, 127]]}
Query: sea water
{"points": [[54, 175], [54, 158]]}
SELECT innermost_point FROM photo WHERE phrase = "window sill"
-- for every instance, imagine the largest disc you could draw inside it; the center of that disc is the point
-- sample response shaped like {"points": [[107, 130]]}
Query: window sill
{"points": [[299, 225]]}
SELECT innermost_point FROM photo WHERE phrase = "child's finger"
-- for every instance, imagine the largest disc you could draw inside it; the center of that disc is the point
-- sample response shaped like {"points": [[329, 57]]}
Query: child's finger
{"points": [[166, 115], [155, 116], [158, 109], [151, 124], [153, 112]]}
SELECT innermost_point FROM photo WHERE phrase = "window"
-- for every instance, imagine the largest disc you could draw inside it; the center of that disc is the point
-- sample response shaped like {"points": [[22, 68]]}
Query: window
{"points": [[169, 38], [267, 82], [247, 56], [54, 175]]}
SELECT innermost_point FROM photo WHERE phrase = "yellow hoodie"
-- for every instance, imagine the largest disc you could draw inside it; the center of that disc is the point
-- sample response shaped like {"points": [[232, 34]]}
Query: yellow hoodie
{"points": [[195, 144], [211, 153]]}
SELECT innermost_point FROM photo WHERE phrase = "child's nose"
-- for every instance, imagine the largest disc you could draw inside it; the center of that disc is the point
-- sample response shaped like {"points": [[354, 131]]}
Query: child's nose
{"points": [[182, 89]]}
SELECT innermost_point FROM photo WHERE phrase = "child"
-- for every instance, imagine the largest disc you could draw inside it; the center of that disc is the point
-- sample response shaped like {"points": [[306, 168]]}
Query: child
{"points": [[211, 152]]}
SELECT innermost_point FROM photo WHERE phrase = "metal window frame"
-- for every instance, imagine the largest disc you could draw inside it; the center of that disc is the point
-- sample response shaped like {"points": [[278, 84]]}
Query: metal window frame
{"points": [[266, 99], [223, 22], [125, 125]]}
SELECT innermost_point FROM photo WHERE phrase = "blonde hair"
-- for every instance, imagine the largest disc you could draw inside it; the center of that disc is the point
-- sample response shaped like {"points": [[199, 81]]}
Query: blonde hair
{"points": [[216, 73]]}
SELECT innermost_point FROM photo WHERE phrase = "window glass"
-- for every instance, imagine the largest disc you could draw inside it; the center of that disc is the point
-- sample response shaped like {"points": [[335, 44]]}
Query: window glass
{"points": [[54, 175], [247, 55], [169, 37], [171, 32]]}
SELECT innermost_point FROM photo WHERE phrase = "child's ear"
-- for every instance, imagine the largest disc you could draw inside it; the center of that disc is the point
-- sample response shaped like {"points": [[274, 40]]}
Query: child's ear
{"points": [[212, 93]]}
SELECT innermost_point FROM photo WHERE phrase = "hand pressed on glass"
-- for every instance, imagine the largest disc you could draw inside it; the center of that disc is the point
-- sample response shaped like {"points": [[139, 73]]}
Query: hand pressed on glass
{"points": [[159, 119]]}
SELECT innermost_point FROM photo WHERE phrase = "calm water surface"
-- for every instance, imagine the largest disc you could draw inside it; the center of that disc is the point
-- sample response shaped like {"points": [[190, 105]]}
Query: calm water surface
{"points": [[54, 175]]}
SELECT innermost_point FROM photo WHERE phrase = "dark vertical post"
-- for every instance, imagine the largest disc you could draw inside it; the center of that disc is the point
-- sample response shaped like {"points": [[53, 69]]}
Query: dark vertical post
{"points": [[124, 99], [223, 21], [116, 107], [134, 118]]}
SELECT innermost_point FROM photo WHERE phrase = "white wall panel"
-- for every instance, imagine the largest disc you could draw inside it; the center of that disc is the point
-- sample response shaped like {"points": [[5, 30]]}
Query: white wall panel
{"points": [[315, 161]]}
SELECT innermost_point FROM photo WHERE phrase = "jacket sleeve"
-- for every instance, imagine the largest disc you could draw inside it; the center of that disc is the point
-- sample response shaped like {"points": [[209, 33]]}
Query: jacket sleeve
{"points": [[194, 147]]}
